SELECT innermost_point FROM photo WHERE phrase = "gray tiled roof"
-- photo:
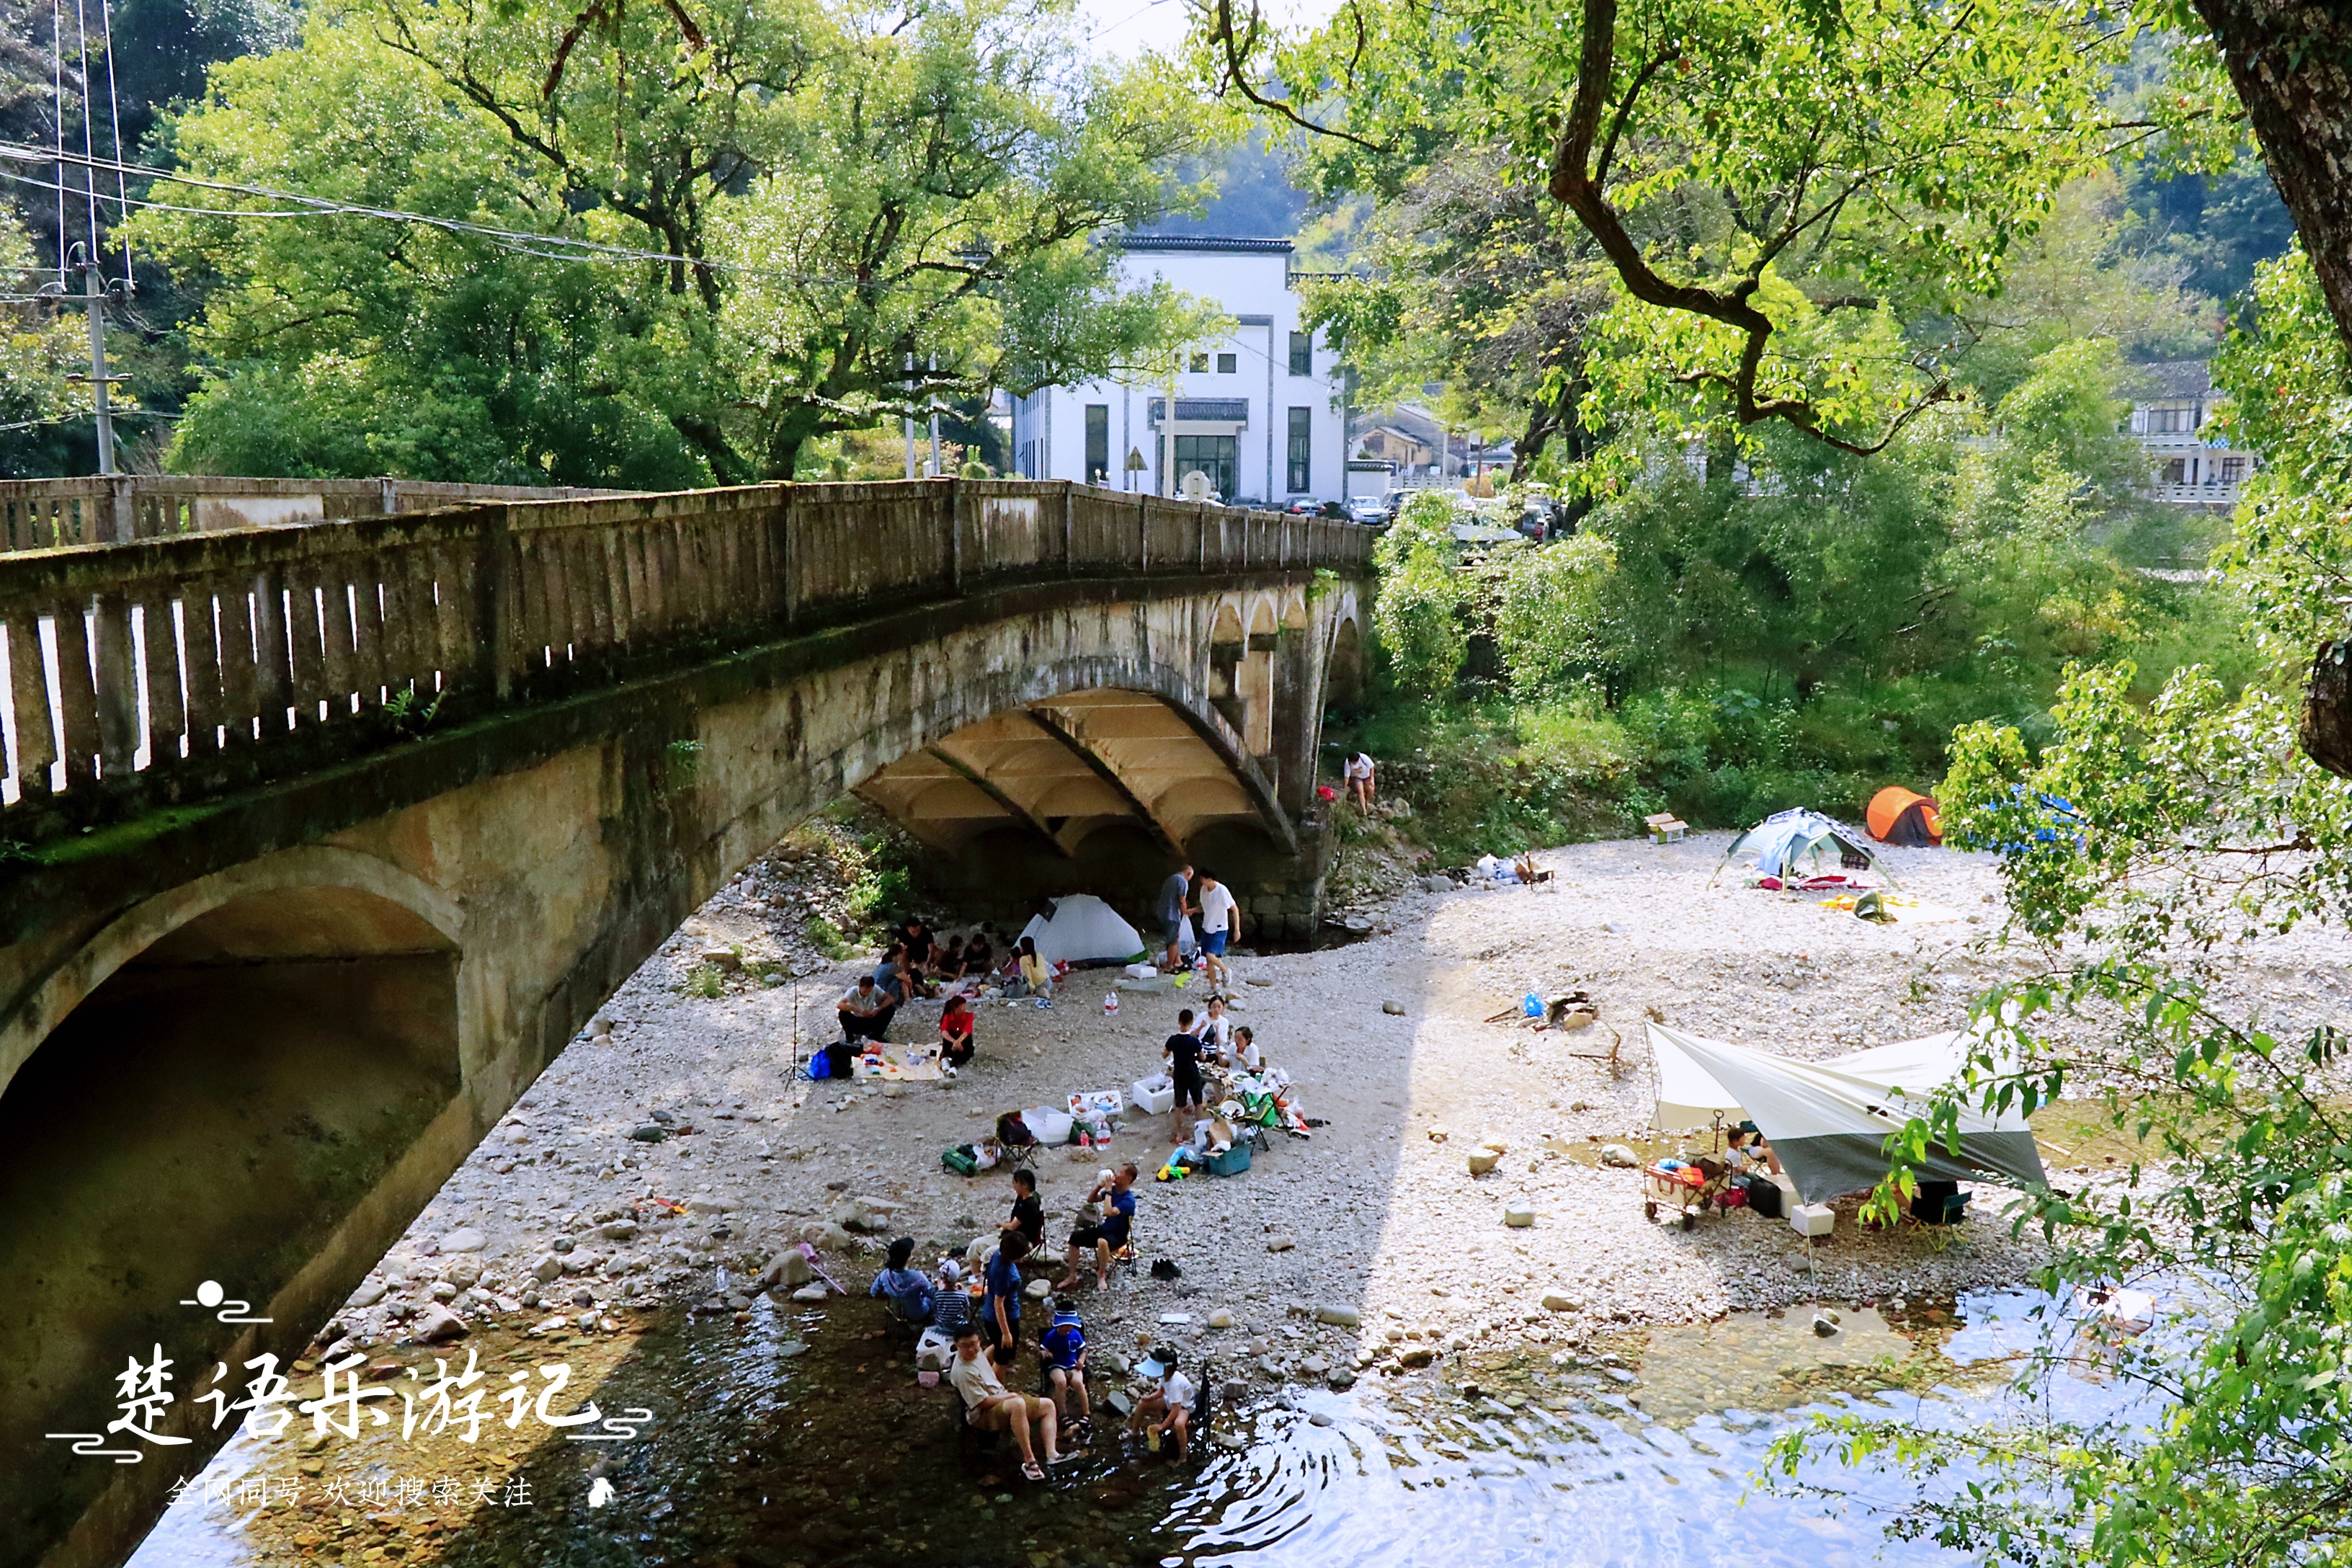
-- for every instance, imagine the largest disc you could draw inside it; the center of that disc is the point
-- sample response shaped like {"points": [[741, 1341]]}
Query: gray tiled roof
{"points": [[2169, 379]]}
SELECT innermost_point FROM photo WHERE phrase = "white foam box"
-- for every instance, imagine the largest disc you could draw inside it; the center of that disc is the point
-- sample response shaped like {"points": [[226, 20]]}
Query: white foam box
{"points": [[1153, 1101], [1811, 1219]]}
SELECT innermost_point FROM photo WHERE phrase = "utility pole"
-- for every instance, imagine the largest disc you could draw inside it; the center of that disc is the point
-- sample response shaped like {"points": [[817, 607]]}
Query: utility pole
{"points": [[95, 295], [911, 418], [935, 421]]}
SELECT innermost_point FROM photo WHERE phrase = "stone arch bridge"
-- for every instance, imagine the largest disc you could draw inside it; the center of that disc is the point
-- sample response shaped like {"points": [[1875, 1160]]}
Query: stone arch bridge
{"points": [[318, 843]]}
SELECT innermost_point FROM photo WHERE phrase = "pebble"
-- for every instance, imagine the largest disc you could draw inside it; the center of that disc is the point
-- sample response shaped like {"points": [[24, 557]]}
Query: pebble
{"points": [[464, 1239], [1221, 1318], [1619, 1157], [1483, 1161], [1519, 1216], [1280, 1243], [810, 1293], [1320, 1419], [438, 1325], [1339, 1316], [1393, 1009]]}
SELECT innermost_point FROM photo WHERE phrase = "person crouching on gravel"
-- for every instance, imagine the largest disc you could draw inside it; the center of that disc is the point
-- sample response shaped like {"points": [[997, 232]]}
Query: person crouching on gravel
{"points": [[1167, 1408]]}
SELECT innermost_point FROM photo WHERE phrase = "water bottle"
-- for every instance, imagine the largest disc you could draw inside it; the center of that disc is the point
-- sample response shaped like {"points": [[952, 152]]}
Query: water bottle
{"points": [[1111, 1004]]}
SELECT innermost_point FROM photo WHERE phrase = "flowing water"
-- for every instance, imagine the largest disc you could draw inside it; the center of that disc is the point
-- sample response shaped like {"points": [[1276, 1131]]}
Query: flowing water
{"points": [[798, 1439]]}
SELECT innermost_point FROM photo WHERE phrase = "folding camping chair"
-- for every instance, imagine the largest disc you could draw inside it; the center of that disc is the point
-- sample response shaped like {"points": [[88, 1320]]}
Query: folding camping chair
{"points": [[1019, 1144]]}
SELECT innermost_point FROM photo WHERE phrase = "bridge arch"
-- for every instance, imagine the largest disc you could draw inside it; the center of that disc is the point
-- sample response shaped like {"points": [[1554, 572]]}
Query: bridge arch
{"points": [[247, 1069]]}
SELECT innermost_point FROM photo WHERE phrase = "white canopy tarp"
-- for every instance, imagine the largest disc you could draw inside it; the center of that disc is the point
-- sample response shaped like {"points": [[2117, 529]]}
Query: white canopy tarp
{"points": [[1828, 1121], [1083, 929]]}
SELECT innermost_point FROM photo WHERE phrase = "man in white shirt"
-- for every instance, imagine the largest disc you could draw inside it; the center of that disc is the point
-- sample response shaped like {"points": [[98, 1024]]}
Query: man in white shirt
{"points": [[989, 1406], [1221, 919]]}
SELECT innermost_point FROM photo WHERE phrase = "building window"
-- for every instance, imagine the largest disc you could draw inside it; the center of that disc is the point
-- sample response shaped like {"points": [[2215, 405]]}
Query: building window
{"points": [[1097, 442], [2233, 470], [1218, 456], [1199, 365], [2175, 473], [2168, 421], [1302, 450], [1302, 353], [1228, 363]]}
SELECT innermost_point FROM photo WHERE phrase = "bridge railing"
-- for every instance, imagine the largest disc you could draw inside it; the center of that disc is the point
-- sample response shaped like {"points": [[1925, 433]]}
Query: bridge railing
{"points": [[177, 668], [116, 509]]}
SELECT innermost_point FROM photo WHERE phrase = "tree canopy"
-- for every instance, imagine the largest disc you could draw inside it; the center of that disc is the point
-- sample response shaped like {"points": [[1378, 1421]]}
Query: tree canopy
{"points": [[675, 244]]}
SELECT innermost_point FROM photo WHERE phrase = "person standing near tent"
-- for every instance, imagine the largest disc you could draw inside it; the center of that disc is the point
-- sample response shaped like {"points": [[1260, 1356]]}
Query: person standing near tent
{"points": [[1172, 908], [1359, 774], [1221, 919]]}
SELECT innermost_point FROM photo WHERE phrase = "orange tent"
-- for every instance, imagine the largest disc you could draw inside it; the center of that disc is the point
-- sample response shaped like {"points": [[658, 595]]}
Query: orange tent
{"points": [[1897, 816]]}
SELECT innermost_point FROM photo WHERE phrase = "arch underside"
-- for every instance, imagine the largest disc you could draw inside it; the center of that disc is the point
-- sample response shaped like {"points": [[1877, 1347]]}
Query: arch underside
{"points": [[1065, 767]]}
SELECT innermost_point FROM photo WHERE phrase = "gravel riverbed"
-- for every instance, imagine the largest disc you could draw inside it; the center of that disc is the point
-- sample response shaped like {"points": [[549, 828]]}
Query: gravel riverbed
{"points": [[675, 1156]]}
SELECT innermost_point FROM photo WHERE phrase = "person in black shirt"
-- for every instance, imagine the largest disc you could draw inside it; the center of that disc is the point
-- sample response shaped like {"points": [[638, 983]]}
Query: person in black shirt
{"points": [[1028, 1214], [1184, 1048], [918, 938], [979, 958]]}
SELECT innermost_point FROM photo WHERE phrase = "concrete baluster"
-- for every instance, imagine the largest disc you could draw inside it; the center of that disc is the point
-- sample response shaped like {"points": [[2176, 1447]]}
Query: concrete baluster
{"points": [[200, 637], [159, 635], [77, 695], [28, 682]]}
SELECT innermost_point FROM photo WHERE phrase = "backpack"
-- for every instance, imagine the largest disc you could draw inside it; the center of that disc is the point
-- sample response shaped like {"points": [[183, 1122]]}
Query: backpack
{"points": [[960, 1161]]}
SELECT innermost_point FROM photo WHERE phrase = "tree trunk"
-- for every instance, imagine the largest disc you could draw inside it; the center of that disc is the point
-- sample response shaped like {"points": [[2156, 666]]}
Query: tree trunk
{"points": [[2291, 63]]}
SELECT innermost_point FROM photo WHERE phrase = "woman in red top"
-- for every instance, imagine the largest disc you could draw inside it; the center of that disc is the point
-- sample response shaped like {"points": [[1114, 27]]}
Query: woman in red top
{"points": [[955, 1032]]}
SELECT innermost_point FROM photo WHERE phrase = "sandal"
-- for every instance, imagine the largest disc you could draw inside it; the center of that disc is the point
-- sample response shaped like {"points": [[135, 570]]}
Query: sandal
{"points": [[1029, 1468], [1065, 1458]]}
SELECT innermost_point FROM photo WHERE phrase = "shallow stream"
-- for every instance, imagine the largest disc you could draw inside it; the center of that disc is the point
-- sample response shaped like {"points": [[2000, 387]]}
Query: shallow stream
{"points": [[801, 1437]]}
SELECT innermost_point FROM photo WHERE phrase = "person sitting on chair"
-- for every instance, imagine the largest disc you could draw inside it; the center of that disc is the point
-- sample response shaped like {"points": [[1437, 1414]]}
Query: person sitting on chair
{"points": [[1105, 1237], [955, 1033], [908, 1290], [988, 1406], [1064, 1346], [1028, 1215]]}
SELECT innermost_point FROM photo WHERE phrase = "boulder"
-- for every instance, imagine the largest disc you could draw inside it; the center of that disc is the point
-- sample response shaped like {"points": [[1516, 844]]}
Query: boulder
{"points": [[618, 1230], [443, 1290], [1483, 1161], [464, 1239], [548, 1267], [725, 958], [1619, 1157], [438, 1325], [1037, 1289], [370, 1292], [1118, 1404], [1417, 1356], [1338, 1316], [464, 1271], [1519, 1215], [788, 1269], [1555, 1302], [810, 1292]]}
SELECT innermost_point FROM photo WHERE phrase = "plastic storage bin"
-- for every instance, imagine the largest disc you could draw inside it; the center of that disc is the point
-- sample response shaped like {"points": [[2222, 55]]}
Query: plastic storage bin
{"points": [[1811, 1219], [1151, 1100], [1232, 1163]]}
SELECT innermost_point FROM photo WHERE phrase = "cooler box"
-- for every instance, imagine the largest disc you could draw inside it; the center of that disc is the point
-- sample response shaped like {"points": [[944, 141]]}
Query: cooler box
{"points": [[1232, 1163], [1153, 1101], [1811, 1219]]}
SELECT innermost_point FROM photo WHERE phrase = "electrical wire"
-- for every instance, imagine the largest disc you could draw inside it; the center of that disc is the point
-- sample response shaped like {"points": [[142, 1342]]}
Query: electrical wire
{"points": [[58, 104], [544, 246], [89, 151], [115, 124]]}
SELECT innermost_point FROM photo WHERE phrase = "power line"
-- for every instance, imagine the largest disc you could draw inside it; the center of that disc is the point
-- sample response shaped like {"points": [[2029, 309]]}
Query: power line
{"points": [[544, 246]]}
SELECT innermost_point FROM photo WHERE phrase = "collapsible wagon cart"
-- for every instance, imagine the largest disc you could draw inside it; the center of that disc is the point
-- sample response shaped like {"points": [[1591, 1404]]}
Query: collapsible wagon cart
{"points": [[1689, 1188]]}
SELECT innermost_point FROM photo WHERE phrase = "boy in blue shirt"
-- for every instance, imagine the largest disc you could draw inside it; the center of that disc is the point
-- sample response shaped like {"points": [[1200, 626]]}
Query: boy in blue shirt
{"points": [[1001, 1311], [1064, 1346]]}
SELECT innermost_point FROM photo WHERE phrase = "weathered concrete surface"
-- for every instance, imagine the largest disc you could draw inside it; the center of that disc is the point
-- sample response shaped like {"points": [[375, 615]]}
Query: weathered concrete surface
{"points": [[355, 973]]}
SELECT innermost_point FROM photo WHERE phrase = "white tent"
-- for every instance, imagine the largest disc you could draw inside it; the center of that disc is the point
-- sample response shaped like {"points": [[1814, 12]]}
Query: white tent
{"points": [[1793, 844], [1829, 1121], [1083, 928]]}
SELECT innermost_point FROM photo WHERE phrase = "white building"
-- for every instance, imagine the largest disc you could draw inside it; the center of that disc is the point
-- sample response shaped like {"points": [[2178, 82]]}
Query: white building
{"points": [[2174, 403], [1258, 413]]}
